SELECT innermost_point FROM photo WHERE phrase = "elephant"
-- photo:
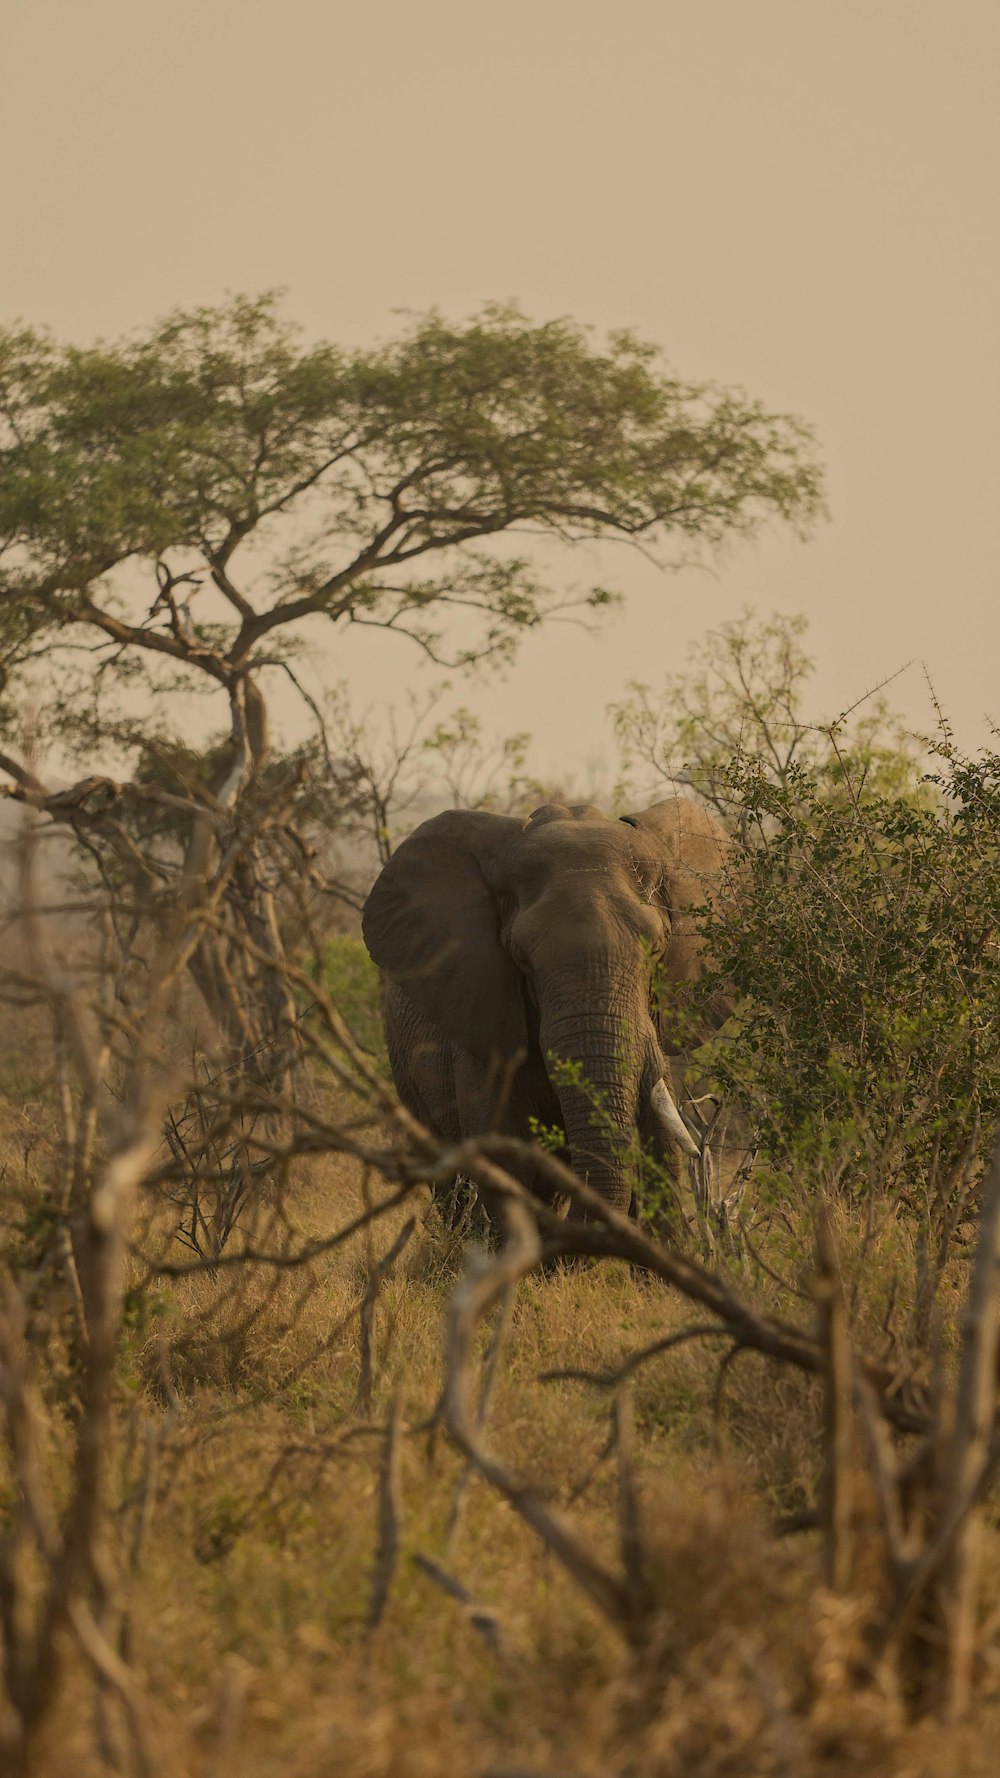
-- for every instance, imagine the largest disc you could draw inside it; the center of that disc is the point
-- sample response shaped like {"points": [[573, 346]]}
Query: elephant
{"points": [[509, 946]]}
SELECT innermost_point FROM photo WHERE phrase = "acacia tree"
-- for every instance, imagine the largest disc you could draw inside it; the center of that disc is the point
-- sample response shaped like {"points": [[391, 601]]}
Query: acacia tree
{"points": [[191, 508]]}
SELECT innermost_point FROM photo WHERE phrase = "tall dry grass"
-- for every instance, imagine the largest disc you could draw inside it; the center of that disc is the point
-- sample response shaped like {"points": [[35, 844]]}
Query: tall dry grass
{"points": [[246, 1481], [247, 1541]]}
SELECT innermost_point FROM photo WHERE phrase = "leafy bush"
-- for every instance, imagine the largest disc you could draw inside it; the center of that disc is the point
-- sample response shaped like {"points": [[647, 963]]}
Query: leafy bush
{"points": [[743, 696], [863, 947], [351, 980]]}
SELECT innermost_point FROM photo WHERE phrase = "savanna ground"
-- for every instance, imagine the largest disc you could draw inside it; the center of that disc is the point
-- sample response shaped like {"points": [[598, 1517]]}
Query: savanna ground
{"points": [[248, 1533]]}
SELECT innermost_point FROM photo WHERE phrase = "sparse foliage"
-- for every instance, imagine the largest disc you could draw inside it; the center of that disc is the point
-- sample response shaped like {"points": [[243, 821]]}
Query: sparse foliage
{"points": [[394, 768], [741, 705]]}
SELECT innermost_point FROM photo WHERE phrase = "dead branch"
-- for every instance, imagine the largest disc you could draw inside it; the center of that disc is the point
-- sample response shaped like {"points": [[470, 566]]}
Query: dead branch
{"points": [[838, 1483], [971, 1456], [612, 1378], [607, 1450], [379, 1273], [630, 1537], [609, 1234], [484, 1284], [389, 1521], [481, 1619], [489, 1371]]}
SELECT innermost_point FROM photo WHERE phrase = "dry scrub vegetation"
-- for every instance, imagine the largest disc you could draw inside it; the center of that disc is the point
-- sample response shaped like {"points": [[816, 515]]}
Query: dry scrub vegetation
{"points": [[298, 1478], [294, 1478], [292, 1553]]}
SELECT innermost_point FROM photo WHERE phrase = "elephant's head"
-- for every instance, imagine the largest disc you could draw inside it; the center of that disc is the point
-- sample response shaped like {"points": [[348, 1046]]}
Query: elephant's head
{"points": [[551, 935]]}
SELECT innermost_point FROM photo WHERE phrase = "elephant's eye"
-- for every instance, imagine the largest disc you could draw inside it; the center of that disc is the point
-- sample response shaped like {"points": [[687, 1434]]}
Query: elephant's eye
{"points": [[650, 930], [629, 820], [521, 937]]}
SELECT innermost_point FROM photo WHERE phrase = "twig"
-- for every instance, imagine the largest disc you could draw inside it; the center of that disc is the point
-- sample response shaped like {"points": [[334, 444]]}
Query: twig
{"points": [[481, 1619], [281, 1261], [378, 1275], [490, 1366], [611, 1379], [838, 1442], [389, 1521], [630, 1537], [606, 1451], [971, 1449]]}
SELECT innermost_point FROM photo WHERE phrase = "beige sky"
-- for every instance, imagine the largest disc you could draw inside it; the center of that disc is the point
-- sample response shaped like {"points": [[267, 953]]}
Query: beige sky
{"points": [[799, 196]]}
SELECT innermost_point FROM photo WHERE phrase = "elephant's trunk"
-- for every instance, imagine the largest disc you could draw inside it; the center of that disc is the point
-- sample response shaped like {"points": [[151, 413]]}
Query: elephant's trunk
{"points": [[597, 1064]]}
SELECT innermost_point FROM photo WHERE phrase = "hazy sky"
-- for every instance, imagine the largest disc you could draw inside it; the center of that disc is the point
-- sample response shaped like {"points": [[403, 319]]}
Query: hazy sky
{"points": [[798, 196]]}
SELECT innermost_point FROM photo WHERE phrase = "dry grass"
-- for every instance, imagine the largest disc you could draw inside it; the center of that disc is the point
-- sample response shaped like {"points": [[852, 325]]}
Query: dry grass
{"points": [[250, 1596]]}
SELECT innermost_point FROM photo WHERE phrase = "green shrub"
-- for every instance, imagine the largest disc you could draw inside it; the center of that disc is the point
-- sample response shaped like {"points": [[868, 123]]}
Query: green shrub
{"points": [[351, 979], [863, 947]]}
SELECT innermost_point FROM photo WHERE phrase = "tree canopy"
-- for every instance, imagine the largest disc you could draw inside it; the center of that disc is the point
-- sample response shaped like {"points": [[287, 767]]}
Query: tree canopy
{"points": [[186, 508], [302, 481]]}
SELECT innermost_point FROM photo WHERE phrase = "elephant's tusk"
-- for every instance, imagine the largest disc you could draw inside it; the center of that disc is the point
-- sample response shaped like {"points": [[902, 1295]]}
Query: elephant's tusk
{"points": [[663, 1104]]}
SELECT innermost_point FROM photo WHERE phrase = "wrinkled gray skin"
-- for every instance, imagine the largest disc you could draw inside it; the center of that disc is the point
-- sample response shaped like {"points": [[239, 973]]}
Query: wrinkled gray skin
{"points": [[500, 939]]}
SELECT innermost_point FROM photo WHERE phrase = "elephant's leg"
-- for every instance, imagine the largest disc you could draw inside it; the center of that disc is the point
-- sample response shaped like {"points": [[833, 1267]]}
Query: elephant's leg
{"points": [[510, 1102], [421, 1063], [459, 1097], [440, 1085], [423, 1073]]}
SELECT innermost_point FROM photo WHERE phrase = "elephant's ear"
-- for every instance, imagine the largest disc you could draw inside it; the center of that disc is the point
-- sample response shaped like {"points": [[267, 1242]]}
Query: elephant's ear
{"points": [[432, 923], [691, 836], [693, 844], [694, 852]]}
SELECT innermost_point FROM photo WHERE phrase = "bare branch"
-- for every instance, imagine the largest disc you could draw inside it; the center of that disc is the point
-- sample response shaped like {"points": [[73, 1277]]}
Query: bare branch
{"points": [[379, 1274], [389, 1520], [481, 1619]]}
